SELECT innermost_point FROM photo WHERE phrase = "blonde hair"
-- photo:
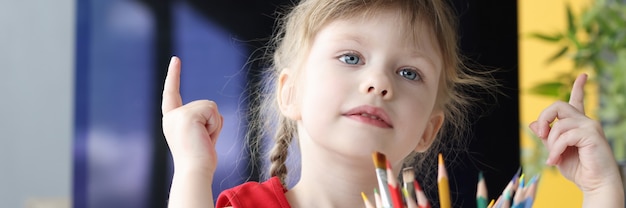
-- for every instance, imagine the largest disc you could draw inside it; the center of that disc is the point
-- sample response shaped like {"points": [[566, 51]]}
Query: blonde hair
{"points": [[293, 38]]}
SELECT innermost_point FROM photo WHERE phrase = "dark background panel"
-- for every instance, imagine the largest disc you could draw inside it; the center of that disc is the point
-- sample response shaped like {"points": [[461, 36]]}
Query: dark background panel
{"points": [[488, 30]]}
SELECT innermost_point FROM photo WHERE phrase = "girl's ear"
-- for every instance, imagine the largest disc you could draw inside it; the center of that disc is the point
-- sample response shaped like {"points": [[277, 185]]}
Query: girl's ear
{"points": [[430, 133], [286, 98]]}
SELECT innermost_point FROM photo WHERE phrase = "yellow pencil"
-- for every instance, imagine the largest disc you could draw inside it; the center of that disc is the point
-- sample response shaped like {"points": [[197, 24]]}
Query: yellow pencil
{"points": [[367, 202], [442, 182], [491, 203]]}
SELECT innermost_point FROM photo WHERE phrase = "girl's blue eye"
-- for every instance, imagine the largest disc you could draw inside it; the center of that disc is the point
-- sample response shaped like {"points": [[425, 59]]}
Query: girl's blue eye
{"points": [[349, 59], [409, 74]]}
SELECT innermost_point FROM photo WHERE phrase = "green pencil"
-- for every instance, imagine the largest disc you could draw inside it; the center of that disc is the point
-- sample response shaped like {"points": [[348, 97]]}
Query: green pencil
{"points": [[481, 192]]}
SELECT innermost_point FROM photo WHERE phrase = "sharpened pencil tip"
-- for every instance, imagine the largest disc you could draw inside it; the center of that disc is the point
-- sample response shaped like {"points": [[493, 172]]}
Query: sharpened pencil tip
{"points": [[491, 203], [440, 159]]}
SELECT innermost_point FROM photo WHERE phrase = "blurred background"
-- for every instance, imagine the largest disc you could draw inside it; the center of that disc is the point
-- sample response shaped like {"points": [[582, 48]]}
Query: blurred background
{"points": [[80, 108]]}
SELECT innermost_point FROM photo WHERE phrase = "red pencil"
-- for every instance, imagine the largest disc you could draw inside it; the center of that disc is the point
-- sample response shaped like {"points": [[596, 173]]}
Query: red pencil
{"points": [[394, 188], [422, 201]]}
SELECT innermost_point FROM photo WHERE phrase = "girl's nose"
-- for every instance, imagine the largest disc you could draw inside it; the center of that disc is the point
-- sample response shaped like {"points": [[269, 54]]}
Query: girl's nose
{"points": [[372, 89], [379, 85]]}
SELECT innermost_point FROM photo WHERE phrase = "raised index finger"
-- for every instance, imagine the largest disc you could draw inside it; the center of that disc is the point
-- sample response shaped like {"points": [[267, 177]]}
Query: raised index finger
{"points": [[576, 99], [171, 88]]}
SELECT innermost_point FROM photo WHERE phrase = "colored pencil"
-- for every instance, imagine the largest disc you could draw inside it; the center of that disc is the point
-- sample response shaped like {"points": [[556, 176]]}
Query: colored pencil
{"points": [[377, 199], [380, 161], [392, 193], [504, 201], [519, 194], [506, 198], [367, 202], [530, 192], [498, 201], [422, 201], [490, 205], [394, 188], [444, 187], [481, 192]]}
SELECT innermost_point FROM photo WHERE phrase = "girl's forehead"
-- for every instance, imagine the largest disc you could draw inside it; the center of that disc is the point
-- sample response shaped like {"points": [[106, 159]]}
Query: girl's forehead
{"points": [[411, 25], [415, 32]]}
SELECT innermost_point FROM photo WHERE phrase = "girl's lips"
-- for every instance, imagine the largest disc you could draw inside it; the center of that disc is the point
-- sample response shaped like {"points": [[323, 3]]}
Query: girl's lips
{"points": [[370, 115]]}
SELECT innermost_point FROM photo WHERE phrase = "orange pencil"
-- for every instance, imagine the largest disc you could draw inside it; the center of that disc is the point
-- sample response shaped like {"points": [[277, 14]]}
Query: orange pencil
{"points": [[394, 188], [444, 187]]}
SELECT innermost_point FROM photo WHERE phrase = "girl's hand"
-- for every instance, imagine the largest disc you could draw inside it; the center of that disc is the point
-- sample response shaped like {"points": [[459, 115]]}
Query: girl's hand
{"points": [[578, 147], [191, 130]]}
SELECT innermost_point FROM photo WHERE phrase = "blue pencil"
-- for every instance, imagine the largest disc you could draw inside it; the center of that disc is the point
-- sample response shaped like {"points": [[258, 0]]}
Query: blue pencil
{"points": [[531, 190], [519, 194]]}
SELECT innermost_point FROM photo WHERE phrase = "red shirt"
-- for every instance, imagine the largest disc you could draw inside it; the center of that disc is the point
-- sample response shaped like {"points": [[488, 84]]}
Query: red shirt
{"points": [[270, 193]]}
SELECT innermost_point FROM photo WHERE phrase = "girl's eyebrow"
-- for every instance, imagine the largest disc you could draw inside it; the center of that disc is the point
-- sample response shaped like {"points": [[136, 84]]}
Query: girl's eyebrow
{"points": [[349, 36], [423, 56]]}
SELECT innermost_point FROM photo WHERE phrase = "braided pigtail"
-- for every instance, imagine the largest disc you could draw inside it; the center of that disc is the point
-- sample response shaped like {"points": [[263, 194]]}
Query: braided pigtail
{"points": [[278, 155]]}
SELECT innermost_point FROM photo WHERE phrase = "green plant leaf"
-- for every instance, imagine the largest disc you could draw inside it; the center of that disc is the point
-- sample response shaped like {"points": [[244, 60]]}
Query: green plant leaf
{"points": [[558, 55], [548, 38], [571, 22], [571, 27], [549, 89]]}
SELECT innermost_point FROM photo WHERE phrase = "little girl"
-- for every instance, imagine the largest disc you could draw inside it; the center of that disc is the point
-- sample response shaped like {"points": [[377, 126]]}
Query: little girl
{"points": [[351, 77]]}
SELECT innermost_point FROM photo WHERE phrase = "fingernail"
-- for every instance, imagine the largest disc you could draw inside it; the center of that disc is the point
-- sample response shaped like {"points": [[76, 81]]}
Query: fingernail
{"points": [[533, 126], [173, 59]]}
